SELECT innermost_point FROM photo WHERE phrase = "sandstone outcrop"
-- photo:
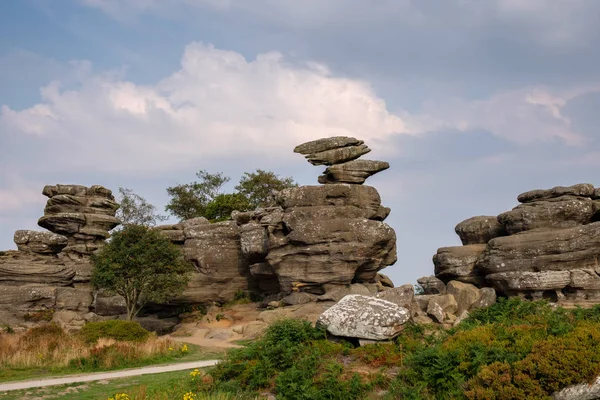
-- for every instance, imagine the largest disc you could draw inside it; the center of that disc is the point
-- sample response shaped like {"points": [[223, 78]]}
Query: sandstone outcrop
{"points": [[50, 272], [548, 246]]}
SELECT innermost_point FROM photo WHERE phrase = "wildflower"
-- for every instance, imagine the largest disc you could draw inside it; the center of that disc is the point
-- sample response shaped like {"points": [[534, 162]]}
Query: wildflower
{"points": [[189, 396], [195, 373], [120, 396], [170, 349], [184, 348]]}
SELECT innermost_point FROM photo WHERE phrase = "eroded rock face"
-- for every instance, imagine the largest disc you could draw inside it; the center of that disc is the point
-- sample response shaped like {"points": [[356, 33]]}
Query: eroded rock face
{"points": [[459, 263], [221, 268], [39, 242], [364, 317], [549, 248], [479, 230], [83, 215], [18, 268], [356, 171], [330, 151]]}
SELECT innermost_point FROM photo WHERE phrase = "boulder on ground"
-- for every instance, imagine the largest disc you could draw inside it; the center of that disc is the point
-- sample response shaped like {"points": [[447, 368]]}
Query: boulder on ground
{"points": [[459, 263], [465, 294], [402, 296], [432, 285], [364, 317]]}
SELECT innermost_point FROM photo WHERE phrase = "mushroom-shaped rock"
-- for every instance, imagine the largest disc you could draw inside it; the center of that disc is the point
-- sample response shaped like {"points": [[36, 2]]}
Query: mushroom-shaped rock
{"points": [[356, 171], [333, 150], [364, 317]]}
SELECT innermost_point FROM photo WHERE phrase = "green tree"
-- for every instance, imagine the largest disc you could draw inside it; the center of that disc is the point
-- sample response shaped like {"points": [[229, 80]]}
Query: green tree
{"points": [[135, 210], [258, 187], [190, 200], [223, 205], [141, 265]]}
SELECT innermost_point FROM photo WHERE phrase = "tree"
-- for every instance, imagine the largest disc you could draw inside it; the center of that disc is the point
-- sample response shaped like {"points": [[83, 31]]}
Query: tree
{"points": [[190, 200], [223, 205], [258, 186], [142, 265], [135, 210]]}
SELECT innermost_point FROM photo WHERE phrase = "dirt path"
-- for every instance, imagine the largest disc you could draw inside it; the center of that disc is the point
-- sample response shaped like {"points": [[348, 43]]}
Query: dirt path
{"points": [[99, 376]]}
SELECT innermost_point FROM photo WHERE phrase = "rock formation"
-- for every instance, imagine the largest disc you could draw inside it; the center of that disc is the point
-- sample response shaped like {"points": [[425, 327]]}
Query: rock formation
{"points": [[322, 238], [51, 270], [548, 246]]}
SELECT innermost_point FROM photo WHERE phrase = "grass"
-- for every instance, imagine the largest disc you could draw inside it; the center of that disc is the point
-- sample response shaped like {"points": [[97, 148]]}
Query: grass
{"points": [[48, 351], [165, 386]]}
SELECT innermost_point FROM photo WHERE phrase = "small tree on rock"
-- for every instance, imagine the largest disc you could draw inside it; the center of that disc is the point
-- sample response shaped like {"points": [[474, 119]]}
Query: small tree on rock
{"points": [[190, 200], [258, 187], [142, 265], [135, 210]]}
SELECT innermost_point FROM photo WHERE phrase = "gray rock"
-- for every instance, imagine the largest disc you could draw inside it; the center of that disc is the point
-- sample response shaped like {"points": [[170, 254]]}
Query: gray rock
{"points": [[402, 296], [356, 171], [75, 299], [525, 281], [582, 391], [39, 242], [17, 268], [338, 292], [105, 304], [581, 190], [161, 326], [297, 298], [436, 312], [460, 318], [337, 156], [447, 302], [568, 249], [432, 285], [479, 230], [254, 242], [330, 143], [554, 213], [364, 318], [459, 263], [384, 280], [27, 297], [422, 301], [465, 294], [487, 297]]}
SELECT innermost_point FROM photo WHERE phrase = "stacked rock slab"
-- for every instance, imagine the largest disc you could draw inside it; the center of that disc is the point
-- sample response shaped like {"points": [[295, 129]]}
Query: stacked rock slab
{"points": [[51, 270], [321, 239], [548, 246]]}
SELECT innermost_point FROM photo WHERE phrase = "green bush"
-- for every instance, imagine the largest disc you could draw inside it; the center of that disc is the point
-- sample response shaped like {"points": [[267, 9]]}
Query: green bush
{"points": [[127, 331]]}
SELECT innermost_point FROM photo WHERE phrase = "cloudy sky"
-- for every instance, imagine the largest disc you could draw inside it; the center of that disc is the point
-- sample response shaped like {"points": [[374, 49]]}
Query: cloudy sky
{"points": [[472, 102]]}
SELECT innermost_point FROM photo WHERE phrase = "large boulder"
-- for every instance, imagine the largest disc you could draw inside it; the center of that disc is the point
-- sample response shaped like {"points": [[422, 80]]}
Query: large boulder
{"points": [[432, 285], [479, 230], [465, 294], [580, 190], [27, 297], [356, 171], [553, 213], [363, 317], [459, 263], [402, 296], [220, 268], [39, 242], [330, 151]]}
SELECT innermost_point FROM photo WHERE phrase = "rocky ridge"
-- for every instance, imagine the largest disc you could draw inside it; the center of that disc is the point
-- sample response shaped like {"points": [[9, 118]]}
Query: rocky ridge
{"points": [[546, 247]]}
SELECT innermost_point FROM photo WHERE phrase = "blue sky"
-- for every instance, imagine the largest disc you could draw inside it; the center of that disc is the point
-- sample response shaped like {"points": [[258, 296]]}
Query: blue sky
{"points": [[472, 102]]}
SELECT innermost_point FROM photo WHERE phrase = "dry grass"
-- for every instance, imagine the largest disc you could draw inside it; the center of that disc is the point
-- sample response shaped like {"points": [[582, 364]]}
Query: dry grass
{"points": [[50, 347]]}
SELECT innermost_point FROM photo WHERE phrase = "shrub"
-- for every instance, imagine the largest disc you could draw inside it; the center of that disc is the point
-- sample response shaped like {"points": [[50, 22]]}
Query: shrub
{"points": [[39, 316], [128, 331]]}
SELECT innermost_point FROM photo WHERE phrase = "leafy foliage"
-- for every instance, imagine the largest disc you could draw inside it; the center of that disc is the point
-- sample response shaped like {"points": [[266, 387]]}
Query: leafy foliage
{"points": [[258, 187], [127, 331], [190, 200], [203, 198], [135, 210], [141, 265]]}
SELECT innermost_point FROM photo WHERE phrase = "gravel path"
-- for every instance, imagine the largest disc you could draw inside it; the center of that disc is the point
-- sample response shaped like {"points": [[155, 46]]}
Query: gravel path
{"points": [[99, 376]]}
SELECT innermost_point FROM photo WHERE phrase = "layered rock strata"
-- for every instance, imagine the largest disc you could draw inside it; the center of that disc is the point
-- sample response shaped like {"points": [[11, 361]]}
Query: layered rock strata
{"points": [[548, 246], [51, 270]]}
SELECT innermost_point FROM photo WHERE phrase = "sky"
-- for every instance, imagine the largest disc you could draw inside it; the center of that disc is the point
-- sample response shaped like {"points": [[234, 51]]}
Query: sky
{"points": [[471, 102]]}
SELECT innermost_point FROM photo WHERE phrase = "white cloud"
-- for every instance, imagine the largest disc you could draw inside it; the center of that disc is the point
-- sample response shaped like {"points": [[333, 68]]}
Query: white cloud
{"points": [[218, 104], [16, 195]]}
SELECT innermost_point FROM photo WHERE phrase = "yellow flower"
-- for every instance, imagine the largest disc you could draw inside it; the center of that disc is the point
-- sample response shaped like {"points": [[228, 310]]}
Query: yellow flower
{"points": [[189, 396], [170, 349], [120, 396], [184, 348], [195, 373]]}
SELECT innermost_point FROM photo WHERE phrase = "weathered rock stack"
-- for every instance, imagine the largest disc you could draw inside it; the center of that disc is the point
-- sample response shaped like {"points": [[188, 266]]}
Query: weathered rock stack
{"points": [[322, 239], [548, 246], [51, 271]]}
